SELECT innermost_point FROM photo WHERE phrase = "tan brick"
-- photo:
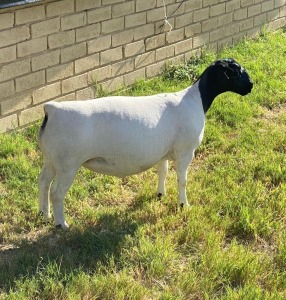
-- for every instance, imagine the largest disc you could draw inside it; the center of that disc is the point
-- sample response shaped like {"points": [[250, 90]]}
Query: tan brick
{"points": [[87, 4], [225, 19], [267, 5], [218, 9], [144, 31], [260, 20], [201, 40], [193, 29], [192, 5], [60, 72], [142, 5], [246, 24], [113, 84], [106, 2], [73, 52], [73, 21], [155, 42], [175, 36], [201, 14], [45, 60], [122, 38], [209, 24], [145, 59], [111, 55], [246, 2], [184, 20], [217, 35], [99, 14], [32, 46], [7, 54], [60, 8], [61, 39], [46, 93], [175, 9], [123, 9], [85, 94], [122, 67], [232, 5], [30, 81], [14, 104], [279, 3], [183, 46], [30, 14], [7, 89], [165, 52], [99, 44], [240, 14], [6, 20], [74, 83], [134, 48], [154, 70], [100, 74], [254, 10], [112, 25], [136, 19], [31, 115], [232, 29], [15, 69], [87, 63], [210, 2], [45, 28], [14, 35], [87, 32], [8, 123], [155, 14], [132, 77], [68, 97]]}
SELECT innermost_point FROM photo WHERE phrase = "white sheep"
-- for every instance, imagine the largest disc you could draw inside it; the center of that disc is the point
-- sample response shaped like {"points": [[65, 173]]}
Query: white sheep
{"points": [[125, 135]]}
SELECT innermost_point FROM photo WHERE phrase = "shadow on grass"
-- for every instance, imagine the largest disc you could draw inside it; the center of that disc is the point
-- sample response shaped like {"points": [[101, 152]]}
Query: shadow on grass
{"points": [[73, 250]]}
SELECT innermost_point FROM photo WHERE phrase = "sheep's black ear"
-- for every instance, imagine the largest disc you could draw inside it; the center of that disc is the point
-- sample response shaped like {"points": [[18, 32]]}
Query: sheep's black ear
{"points": [[225, 62]]}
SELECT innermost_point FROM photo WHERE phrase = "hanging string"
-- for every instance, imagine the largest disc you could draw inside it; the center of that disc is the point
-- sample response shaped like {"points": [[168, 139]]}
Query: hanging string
{"points": [[166, 22]]}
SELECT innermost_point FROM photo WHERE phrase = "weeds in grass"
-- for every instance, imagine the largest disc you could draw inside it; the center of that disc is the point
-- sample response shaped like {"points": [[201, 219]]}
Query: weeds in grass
{"points": [[124, 244]]}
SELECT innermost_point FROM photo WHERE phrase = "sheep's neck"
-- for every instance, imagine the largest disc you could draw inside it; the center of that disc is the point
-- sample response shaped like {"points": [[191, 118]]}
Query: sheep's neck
{"points": [[209, 89]]}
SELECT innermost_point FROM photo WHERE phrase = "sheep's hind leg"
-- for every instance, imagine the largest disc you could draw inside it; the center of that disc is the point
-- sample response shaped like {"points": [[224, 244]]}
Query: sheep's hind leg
{"points": [[162, 169], [59, 189], [44, 182]]}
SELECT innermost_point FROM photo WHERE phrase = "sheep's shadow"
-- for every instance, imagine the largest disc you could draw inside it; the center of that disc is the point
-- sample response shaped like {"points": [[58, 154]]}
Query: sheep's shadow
{"points": [[72, 250]]}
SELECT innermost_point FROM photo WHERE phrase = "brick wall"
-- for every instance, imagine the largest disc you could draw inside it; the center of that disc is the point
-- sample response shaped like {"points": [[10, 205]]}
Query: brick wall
{"points": [[57, 49]]}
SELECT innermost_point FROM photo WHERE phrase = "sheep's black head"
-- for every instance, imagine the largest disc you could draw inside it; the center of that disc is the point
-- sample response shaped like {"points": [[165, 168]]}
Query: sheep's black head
{"points": [[230, 76], [224, 75]]}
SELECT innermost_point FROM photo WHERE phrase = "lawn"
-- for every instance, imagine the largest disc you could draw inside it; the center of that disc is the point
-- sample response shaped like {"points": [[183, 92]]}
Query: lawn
{"points": [[125, 244]]}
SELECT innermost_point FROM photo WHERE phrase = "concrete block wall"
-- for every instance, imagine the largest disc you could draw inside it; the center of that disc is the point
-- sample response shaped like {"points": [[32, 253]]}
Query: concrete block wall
{"points": [[56, 50]]}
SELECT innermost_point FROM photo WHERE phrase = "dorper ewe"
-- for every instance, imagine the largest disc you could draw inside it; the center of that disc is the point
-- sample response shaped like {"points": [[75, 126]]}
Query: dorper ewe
{"points": [[121, 136]]}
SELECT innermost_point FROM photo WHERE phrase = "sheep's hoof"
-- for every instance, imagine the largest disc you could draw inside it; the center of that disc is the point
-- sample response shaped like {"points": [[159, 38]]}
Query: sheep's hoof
{"points": [[41, 213], [60, 226], [159, 196], [182, 205]]}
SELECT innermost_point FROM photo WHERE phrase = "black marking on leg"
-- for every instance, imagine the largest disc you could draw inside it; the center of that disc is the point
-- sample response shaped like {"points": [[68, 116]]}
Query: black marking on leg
{"points": [[41, 213], [159, 196], [59, 226], [182, 205]]}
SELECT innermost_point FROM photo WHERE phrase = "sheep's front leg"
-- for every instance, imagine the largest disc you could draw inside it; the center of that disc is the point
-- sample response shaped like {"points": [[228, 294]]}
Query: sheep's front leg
{"points": [[181, 169], [44, 182], [162, 169], [58, 191]]}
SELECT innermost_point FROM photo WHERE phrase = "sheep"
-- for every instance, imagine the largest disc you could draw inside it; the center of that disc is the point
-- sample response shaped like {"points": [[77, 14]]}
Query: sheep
{"points": [[123, 135]]}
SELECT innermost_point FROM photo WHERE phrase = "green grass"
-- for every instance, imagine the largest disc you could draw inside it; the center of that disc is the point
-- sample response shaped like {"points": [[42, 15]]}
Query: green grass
{"points": [[124, 244]]}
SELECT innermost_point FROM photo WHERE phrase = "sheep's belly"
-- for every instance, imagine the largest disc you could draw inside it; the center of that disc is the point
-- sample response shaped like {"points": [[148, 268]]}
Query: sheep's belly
{"points": [[119, 169]]}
